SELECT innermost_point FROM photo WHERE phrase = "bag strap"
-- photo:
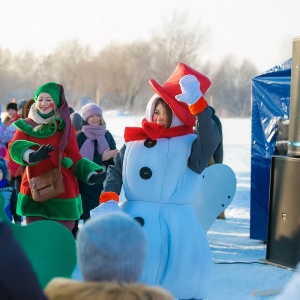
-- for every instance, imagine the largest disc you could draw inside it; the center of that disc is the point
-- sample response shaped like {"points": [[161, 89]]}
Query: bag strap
{"points": [[20, 170], [59, 161]]}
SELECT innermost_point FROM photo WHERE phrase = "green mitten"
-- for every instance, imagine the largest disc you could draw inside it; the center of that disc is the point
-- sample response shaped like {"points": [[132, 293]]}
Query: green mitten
{"points": [[49, 245]]}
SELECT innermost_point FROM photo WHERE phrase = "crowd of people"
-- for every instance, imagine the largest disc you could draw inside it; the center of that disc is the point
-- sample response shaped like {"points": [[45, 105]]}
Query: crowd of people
{"points": [[152, 246], [134, 250]]}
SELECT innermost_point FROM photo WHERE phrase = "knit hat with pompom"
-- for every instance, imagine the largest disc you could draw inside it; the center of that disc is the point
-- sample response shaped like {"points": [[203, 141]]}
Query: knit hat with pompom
{"points": [[111, 246]]}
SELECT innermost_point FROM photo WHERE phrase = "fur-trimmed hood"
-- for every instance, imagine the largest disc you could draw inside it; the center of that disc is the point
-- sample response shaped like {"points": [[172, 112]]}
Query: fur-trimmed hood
{"points": [[61, 289]]}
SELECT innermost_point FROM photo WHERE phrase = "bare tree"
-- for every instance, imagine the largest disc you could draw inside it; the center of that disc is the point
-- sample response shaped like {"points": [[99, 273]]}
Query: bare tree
{"points": [[246, 72], [178, 40], [6, 76], [66, 66], [231, 88], [124, 69], [118, 76], [129, 67]]}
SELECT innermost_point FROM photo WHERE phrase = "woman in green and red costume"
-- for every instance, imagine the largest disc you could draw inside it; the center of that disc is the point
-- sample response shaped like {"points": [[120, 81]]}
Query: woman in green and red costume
{"points": [[37, 143]]}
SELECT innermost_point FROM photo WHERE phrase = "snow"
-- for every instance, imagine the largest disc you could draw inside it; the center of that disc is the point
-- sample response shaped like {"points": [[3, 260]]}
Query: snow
{"points": [[240, 272]]}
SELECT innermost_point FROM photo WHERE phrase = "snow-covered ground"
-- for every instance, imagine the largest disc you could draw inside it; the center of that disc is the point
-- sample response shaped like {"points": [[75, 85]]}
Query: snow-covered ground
{"points": [[239, 270]]}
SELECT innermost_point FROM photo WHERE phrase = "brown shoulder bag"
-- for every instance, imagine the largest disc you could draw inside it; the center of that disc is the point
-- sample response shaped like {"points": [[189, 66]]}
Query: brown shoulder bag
{"points": [[47, 185]]}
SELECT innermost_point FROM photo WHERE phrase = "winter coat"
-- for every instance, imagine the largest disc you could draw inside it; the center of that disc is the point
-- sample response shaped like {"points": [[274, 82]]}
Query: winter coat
{"points": [[67, 289], [10, 200], [90, 194], [17, 277], [218, 154], [162, 179], [6, 134], [8, 120], [67, 205]]}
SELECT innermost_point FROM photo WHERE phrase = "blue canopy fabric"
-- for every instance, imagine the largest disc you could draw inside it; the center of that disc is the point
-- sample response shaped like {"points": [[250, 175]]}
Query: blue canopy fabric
{"points": [[270, 104]]}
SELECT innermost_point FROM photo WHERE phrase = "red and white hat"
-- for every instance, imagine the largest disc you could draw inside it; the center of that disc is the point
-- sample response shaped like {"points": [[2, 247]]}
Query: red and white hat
{"points": [[171, 88]]}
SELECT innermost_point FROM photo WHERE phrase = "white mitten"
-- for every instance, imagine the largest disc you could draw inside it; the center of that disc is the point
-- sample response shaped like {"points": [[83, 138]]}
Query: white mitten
{"points": [[190, 87], [105, 207]]}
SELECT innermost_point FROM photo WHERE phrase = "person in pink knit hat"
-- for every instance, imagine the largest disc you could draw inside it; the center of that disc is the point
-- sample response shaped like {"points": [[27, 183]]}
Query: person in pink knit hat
{"points": [[97, 144]]}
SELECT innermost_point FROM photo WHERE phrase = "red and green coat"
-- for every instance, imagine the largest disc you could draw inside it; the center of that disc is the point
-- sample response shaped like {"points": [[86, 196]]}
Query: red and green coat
{"points": [[67, 206]]}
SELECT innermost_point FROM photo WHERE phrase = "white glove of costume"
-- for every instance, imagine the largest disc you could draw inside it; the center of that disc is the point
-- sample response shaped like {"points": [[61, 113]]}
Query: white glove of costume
{"points": [[105, 207], [190, 87]]}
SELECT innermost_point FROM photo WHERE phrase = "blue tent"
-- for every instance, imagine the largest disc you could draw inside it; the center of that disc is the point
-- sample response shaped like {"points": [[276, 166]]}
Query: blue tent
{"points": [[270, 103]]}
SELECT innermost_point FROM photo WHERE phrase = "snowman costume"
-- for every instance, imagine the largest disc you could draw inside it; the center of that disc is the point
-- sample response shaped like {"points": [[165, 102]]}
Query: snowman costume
{"points": [[160, 170]]}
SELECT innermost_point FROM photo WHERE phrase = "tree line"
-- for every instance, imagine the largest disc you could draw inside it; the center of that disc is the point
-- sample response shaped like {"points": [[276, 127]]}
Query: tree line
{"points": [[117, 76]]}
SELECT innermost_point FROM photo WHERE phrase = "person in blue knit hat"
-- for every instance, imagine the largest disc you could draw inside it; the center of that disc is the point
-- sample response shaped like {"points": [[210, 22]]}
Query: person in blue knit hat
{"points": [[111, 252]]}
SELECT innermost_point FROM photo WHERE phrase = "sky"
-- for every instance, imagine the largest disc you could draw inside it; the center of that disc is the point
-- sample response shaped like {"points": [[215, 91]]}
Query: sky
{"points": [[259, 30]]}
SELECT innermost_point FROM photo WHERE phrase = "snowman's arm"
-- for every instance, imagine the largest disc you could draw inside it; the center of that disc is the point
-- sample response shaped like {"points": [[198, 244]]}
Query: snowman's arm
{"points": [[114, 180], [206, 142]]}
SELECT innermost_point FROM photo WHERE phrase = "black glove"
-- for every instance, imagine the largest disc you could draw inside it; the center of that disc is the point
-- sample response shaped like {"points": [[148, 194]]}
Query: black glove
{"points": [[96, 179], [41, 153]]}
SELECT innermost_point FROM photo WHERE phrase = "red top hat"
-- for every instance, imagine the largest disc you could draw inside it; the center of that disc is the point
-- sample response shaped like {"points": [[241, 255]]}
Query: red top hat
{"points": [[171, 88]]}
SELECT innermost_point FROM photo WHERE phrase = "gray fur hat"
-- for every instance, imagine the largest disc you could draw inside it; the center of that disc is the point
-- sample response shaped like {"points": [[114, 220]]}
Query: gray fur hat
{"points": [[76, 120], [21, 103], [110, 247]]}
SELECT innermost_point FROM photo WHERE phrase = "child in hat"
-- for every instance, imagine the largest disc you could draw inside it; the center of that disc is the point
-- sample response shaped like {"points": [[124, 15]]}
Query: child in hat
{"points": [[12, 113]]}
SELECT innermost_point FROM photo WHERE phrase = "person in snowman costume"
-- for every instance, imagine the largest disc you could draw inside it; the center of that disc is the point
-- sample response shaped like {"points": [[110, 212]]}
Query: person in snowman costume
{"points": [[160, 169]]}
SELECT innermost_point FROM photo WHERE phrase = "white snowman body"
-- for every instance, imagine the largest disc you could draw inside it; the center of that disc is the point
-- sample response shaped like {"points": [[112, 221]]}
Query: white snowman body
{"points": [[159, 188]]}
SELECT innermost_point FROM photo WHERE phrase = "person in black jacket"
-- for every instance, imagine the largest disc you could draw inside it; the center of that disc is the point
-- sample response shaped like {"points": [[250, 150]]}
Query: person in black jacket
{"points": [[97, 144], [218, 154]]}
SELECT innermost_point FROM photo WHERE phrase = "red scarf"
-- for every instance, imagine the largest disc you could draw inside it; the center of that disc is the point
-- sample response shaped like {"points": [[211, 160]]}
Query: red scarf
{"points": [[154, 131]]}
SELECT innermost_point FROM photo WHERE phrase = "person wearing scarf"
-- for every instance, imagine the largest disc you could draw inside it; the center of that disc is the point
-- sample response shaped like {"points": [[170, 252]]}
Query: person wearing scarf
{"points": [[98, 145], [38, 143], [159, 168]]}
